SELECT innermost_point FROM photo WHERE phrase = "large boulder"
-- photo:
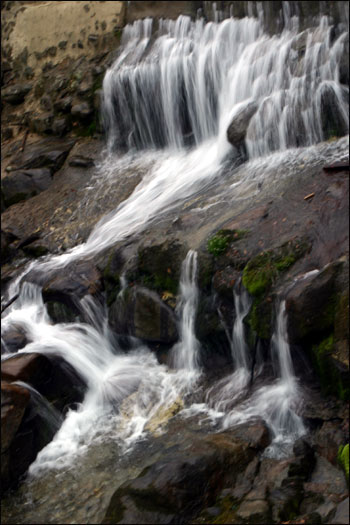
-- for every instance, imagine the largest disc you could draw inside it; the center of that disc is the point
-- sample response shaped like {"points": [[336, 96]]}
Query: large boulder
{"points": [[176, 487], [141, 313], [64, 287], [25, 430], [52, 377], [310, 305], [23, 184], [237, 130]]}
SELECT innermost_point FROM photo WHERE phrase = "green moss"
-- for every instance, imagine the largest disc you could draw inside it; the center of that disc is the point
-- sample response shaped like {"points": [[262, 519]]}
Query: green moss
{"points": [[343, 459], [218, 244], [260, 318], [330, 377]]}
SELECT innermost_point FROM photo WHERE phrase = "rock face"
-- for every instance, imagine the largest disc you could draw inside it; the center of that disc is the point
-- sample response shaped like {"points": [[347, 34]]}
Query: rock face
{"points": [[21, 185], [238, 128], [47, 153], [179, 484], [141, 313]]}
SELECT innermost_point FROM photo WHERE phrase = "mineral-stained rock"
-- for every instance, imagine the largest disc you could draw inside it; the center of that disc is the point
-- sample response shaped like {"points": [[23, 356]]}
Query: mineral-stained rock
{"points": [[23, 184], [16, 93], [141, 313]]}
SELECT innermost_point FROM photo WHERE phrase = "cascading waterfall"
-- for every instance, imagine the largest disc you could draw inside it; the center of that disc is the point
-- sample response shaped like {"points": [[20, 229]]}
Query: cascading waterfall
{"points": [[183, 86], [178, 90], [276, 403], [185, 354]]}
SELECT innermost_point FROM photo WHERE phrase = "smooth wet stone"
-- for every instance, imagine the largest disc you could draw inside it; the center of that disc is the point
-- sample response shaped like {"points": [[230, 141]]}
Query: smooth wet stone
{"points": [[238, 128], [342, 513], [14, 339]]}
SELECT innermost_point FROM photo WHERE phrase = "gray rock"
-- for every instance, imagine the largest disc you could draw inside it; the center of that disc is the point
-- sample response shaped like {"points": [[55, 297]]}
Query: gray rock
{"points": [[254, 511], [16, 93], [237, 129], [23, 184]]}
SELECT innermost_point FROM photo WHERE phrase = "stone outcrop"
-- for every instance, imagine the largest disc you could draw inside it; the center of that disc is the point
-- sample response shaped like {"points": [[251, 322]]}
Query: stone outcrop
{"points": [[141, 313], [237, 130]]}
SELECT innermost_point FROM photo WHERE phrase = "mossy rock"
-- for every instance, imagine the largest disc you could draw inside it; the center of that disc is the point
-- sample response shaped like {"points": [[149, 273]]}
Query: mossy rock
{"points": [[343, 459], [159, 266], [334, 377], [219, 243], [260, 275], [263, 270]]}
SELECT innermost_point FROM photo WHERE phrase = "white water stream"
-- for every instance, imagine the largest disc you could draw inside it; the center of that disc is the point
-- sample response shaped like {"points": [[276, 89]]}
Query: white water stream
{"points": [[179, 90]]}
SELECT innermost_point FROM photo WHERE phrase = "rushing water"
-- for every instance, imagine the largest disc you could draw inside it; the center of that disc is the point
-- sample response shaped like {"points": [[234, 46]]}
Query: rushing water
{"points": [[174, 93]]}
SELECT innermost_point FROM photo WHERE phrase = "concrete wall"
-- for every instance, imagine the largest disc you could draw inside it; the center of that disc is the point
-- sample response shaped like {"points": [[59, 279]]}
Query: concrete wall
{"points": [[41, 31]]}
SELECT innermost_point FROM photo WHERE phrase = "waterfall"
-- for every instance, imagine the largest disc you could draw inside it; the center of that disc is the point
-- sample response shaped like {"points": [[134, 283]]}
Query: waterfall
{"points": [[277, 402], [181, 85], [185, 354], [239, 347]]}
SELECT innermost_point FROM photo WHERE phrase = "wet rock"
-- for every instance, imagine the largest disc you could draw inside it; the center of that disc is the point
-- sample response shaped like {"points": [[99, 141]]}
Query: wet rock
{"points": [[14, 400], [333, 121], [53, 377], [326, 480], [14, 339], [310, 305], [141, 313], [16, 93], [22, 184], [237, 129], [256, 434], [48, 153], [34, 369], [342, 513], [82, 112], [36, 249], [29, 424], [7, 250], [180, 484], [46, 102], [224, 281]]}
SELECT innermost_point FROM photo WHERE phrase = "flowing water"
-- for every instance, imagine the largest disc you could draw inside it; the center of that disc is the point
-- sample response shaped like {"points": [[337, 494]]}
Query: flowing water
{"points": [[168, 101]]}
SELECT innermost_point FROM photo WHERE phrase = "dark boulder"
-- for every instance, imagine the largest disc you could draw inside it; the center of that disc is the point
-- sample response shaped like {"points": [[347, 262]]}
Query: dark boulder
{"points": [[23, 184], [178, 486], [16, 93], [42, 123], [141, 313], [310, 305], [63, 105], [48, 153], [237, 130]]}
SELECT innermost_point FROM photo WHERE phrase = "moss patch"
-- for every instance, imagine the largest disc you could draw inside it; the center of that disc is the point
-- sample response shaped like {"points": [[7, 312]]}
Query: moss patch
{"points": [[260, 274], [343, 459], [218, 244], [330, 376]]}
